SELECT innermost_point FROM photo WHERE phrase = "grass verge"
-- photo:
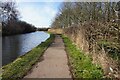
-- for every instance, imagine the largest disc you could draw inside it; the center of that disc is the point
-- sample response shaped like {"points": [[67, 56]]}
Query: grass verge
{"points": [[81, 65], [19, 68]]}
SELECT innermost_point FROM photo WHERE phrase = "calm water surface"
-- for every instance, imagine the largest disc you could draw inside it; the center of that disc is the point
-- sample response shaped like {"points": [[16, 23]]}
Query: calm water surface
{"points": [[14, 46]]}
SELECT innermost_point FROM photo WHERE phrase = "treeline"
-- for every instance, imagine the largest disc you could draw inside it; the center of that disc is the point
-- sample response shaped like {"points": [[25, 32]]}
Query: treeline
{"points": [[11, 24], [95, 28], [42, 29], [19, 27], [100, 21], [78, 12]]}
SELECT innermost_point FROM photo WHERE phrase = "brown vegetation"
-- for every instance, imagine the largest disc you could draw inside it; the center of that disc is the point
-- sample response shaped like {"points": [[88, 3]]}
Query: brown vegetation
{"points": [[95, 28], [90, 42], [55, 31]]}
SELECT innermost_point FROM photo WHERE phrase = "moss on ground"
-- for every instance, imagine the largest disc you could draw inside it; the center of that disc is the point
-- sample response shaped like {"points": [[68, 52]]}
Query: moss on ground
{"points": [[19, 68], [81, 64]]}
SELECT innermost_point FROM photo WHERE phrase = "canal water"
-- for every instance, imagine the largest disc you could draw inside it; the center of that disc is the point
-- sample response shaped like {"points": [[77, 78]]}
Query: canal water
{"points": [[17, 45]]}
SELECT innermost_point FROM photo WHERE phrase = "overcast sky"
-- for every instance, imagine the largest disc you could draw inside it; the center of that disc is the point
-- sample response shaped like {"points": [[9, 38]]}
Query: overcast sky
{"points": [[40, 14]]}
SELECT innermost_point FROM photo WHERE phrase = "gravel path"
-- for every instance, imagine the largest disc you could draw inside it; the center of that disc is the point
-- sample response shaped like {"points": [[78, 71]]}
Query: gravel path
{"points": [[53, 64]]}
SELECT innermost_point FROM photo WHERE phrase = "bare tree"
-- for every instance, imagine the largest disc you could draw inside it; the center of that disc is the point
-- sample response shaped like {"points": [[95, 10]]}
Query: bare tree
{"points": [[8, 12]]}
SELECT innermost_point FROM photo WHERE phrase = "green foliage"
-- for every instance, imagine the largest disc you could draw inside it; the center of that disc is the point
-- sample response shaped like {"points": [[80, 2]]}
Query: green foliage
{"points": [[82, 66], [19, 68], [112, 48]]}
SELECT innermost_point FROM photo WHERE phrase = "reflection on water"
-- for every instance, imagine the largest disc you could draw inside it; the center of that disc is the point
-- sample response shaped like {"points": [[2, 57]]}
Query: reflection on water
{"points": [[14, 46]]}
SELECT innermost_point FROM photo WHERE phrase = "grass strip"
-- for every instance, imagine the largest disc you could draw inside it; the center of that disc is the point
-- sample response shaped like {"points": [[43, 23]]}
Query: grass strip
{"points": [[19, 68], [81, 64]]}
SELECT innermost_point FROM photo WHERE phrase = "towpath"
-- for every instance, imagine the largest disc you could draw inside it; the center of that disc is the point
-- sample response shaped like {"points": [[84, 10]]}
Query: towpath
{"points": [[54, 63]]}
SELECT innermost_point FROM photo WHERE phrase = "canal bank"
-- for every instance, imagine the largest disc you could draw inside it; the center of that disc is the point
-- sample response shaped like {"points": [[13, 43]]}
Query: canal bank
{"points": [[17, 45], [18, 68], [53, 64]]}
